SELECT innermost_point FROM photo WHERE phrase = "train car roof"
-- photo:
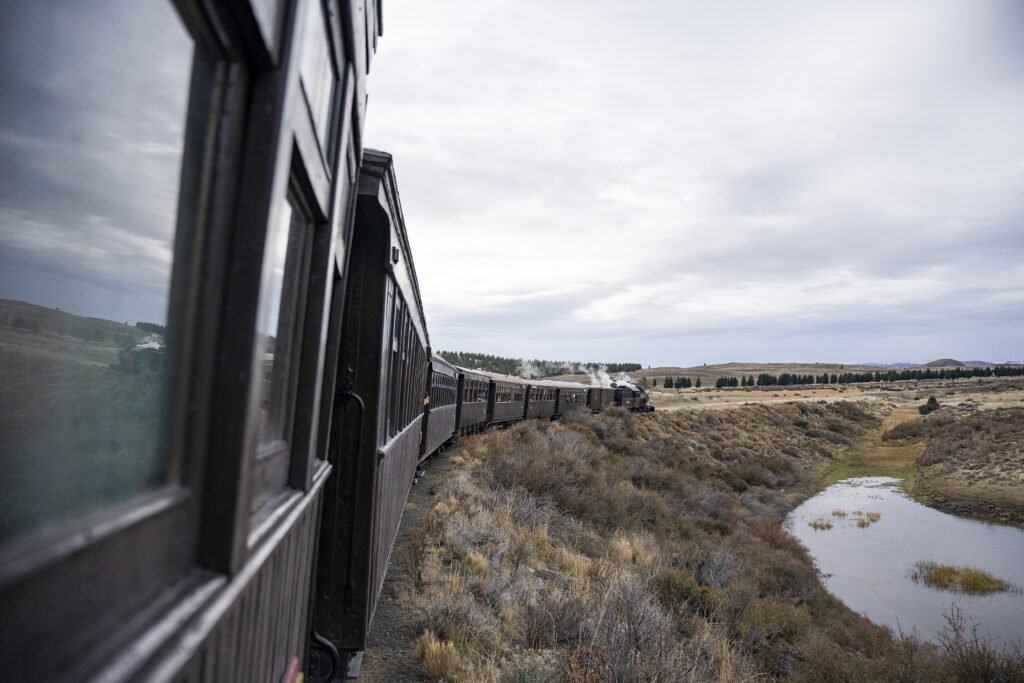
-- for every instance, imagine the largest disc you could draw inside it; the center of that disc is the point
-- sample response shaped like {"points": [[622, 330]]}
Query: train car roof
{"points": [[473, 374], [566, 385], [498, 377], [437, 360], [437, 364]]}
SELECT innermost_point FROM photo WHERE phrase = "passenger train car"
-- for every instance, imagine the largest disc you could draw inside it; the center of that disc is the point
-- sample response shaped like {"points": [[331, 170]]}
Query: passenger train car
{"points": [[217, 381]]}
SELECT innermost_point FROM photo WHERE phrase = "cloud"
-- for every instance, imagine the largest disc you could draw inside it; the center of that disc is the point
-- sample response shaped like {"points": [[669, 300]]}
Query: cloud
{"points": [[702, 181]]}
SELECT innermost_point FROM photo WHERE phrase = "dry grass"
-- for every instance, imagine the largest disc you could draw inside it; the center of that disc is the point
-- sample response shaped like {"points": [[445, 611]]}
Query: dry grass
{"points": [[972, 459], [866, 519], [957, 579], [821, 524], [618, 547], [439, 659], [477, 563]]}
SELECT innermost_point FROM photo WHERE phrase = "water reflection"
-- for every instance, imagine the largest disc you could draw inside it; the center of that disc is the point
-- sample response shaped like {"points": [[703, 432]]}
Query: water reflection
{"points": [[868, 567], [91, 135]]}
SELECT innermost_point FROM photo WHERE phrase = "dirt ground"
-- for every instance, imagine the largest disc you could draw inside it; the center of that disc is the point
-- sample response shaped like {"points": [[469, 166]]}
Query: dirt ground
{"points": [[991, 492], [987, 392], [390, 650]]}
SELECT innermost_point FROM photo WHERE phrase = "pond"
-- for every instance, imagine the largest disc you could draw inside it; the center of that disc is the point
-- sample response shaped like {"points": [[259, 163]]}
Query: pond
{"points": [[868, 564]]}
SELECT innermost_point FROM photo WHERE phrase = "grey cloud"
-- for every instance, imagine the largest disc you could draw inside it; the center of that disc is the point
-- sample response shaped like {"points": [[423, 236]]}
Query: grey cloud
{"points": [[745, 183]]}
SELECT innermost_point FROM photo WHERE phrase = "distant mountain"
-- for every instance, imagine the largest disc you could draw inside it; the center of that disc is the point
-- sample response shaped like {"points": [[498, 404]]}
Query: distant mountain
{"points": [[944, 363]]}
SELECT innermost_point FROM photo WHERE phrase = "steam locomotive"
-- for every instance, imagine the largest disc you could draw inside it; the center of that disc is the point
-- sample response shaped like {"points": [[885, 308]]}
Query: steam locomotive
{"points": [[224, 511]]}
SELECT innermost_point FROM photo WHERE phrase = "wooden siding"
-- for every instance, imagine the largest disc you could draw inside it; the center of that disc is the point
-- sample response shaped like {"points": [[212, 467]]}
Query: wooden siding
{"points": [[440, 428], [259, 621], [472, 417]]}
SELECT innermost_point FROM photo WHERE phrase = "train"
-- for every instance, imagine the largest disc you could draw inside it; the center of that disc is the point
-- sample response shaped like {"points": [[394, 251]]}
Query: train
{"points": [[213, 492]]}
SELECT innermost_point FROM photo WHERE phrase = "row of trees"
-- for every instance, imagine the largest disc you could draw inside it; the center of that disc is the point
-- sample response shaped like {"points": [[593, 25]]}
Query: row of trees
{"points": [[678, 382], [531, 368], [151, 327], [79, 331], [786, 378], [789, 379]]}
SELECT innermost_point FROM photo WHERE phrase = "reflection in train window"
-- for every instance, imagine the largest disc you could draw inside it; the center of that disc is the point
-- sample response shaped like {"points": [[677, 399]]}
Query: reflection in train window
{"points": [[91, 140], [316, 69], [282, 294], [280, 314]]}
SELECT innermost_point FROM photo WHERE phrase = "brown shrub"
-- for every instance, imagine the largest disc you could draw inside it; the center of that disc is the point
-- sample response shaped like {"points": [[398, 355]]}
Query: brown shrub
{"points": [[438, 657]]}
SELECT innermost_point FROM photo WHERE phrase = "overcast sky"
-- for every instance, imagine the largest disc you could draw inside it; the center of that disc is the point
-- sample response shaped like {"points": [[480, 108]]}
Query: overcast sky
{"points": [[673, 182]]}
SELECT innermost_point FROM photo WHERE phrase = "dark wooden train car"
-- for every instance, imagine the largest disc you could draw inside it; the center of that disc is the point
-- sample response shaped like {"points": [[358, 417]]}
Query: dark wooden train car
{"points": [[506, 401], [625, 397], [570, 396], [439, 412], [474, 390], [599, 398], [541, 399], [377, 419], [160, 522]]}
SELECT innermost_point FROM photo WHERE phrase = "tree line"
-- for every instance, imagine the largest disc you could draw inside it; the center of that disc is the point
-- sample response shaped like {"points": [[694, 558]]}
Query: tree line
{"points": [[679, 382], [530, 368], [789, 379]]}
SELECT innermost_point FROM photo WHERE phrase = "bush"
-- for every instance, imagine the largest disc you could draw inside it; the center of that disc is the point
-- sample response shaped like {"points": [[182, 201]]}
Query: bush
{"points": [[438, 657], [968, 657], [931, 406]]}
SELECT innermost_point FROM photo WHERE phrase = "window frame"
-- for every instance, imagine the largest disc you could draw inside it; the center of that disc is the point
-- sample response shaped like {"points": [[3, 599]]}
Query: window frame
{"points": [[287, 157], [248, 137], [143, 550], [276, 458]]}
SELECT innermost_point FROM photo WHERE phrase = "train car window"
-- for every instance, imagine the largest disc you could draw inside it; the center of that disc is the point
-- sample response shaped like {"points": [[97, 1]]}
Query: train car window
{"points": [[384, 405], [279, 339], [408, 390], [92, 125], [317, 71], [399, 388], [391, 352], [278, 324]]}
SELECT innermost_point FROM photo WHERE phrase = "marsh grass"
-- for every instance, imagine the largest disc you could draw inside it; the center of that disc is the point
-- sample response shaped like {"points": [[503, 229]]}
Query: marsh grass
{"points": [[861, 518], [866, 519], [957, 579]]}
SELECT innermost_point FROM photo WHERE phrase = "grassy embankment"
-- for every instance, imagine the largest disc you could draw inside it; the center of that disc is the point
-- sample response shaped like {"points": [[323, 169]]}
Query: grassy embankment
{"points": [[871, 456], [971, 461], [614, 547]]}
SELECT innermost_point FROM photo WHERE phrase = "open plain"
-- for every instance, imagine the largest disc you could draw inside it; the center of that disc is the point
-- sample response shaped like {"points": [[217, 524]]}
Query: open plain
{"points": [[648, 547]]}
